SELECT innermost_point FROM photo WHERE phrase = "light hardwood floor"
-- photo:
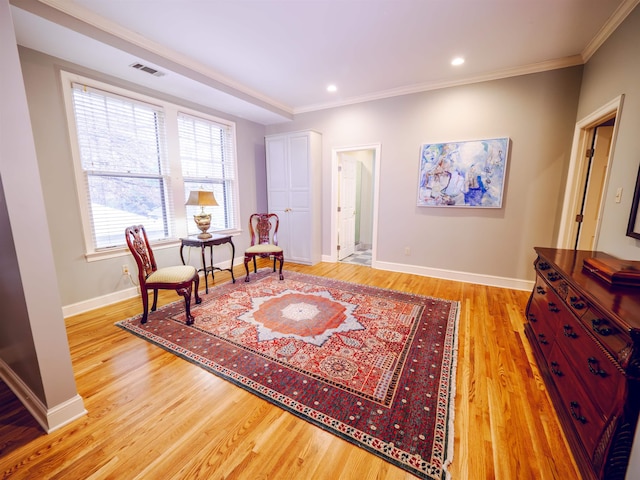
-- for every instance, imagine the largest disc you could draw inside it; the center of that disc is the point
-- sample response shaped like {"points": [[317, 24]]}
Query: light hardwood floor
{"points": [[152, 415]]}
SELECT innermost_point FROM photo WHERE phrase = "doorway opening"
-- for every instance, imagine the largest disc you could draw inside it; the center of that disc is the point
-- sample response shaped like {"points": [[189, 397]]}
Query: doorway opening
{"points": [[354, 204], [597, 158], [587, 180]]}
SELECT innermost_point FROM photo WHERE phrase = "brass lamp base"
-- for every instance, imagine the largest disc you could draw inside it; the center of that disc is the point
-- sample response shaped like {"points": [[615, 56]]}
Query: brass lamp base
{"points": [[203, 222]]}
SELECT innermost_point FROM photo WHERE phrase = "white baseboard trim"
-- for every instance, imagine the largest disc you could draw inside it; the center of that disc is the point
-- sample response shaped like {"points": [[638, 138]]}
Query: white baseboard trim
{"points": [[489, 280], [50, 419], [97, 302], [126, 294]]}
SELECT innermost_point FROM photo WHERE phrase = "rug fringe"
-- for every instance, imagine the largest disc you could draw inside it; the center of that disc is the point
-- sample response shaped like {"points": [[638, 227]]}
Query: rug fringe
{"points": [[452, 396]]}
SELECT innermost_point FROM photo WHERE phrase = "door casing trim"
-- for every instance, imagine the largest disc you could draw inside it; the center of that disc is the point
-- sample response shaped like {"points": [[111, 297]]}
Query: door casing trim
{"points": [[376, 147], [577, 170]]}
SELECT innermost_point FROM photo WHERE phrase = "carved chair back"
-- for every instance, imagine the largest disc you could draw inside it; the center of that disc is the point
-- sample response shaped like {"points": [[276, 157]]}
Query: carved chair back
{"points": [[138, 243], [263, 228]]}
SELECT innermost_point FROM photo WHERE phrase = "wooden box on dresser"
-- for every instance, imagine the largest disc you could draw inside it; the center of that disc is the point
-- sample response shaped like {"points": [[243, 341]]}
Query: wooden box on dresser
{"points": [[585, 336]]}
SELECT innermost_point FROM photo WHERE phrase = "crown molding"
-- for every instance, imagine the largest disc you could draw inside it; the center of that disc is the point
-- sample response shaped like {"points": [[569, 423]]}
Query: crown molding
{"points": [[625, 8], [556, 64]]}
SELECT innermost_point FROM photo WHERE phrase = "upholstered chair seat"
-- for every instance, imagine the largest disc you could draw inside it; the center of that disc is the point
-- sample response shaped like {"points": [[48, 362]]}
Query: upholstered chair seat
{"points": [[176, 274]]}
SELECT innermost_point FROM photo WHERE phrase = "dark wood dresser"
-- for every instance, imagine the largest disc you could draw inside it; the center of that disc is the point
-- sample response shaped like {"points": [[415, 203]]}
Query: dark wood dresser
{"points": [[585, 336]]}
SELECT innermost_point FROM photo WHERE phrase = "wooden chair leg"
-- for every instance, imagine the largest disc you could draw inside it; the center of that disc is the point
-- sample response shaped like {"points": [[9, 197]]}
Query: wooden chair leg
{"points": [[155, 300], [281, 257], [196, 282], [145, 305], [255, 269], [186, 293], [246, 266]]}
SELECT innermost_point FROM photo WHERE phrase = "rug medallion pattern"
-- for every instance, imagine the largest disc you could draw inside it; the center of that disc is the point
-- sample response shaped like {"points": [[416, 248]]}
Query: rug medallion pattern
{"points": [[374, 366]]}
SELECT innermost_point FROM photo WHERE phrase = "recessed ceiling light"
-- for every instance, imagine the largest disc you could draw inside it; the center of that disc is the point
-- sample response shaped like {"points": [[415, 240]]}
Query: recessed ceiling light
{"points": [[332, 88], [457, 61]]}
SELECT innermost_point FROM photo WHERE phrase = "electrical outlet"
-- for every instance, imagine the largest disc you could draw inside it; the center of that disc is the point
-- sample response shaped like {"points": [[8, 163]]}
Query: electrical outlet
{"points": [[407, 251], [125, 269]]}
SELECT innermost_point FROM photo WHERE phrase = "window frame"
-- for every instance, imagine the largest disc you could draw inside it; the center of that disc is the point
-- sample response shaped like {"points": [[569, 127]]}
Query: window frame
{"points": [[206, 181], [175, 181]]}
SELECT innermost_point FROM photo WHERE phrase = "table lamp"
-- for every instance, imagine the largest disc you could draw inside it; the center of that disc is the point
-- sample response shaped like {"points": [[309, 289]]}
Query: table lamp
{"points": [[203, 220]]}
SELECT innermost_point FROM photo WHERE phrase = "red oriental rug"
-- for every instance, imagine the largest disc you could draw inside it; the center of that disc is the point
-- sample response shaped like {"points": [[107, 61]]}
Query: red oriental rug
{"points": [[373, 366]]}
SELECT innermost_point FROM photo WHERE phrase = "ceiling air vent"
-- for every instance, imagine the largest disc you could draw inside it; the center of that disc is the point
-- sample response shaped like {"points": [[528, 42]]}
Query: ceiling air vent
{"points": [[144, 68]]}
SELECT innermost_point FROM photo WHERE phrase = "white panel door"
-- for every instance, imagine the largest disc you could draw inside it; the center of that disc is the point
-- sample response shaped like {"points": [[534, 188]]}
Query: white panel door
{"points": [[293, 183], [277, 175], [299, 164], [299, 215], [347, 169], [299, 225]]}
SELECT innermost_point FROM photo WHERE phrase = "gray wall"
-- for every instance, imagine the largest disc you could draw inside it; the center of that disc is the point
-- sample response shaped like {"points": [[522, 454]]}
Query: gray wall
{"points": [[79, 280], [612, 71], [536, 111], [34, 353]]}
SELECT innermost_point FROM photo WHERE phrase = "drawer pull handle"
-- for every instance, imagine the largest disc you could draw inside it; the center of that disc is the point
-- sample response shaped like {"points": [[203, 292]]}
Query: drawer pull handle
{"points": [[576, 303], [542, 339], [568, 332], [600, 330], [540, 290], [553, 276], [544, 266], [573, 407], [594, 367], [553, 307], [532, 317], [555, 369]]}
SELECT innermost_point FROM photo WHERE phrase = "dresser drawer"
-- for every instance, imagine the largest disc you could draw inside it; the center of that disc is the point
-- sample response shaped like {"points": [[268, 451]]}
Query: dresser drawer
{"points": [[551, 304], [596, 371], [607, 333], [552, 277], [584, 414], [543, 328]]}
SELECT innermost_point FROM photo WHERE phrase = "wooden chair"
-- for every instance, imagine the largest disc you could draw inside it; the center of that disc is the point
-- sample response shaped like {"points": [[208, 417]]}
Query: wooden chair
{"points": [[263, 228], [180, 278]]}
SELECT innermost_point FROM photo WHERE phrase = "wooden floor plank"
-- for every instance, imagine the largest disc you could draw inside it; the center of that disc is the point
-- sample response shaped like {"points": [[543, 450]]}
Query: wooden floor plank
{"points": [[154, 415]]}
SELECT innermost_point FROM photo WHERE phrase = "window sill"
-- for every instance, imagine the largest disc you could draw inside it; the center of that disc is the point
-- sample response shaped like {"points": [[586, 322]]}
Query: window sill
{"points": [[116, 252], [124, 250]]}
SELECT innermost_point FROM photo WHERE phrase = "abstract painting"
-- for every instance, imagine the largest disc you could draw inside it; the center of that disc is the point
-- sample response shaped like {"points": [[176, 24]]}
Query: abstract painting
{"points": [[463, 174]]}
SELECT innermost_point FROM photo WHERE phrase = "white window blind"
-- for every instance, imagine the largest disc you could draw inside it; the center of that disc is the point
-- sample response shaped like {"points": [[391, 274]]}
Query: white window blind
{"points": [[208, 161], [123, 158]]}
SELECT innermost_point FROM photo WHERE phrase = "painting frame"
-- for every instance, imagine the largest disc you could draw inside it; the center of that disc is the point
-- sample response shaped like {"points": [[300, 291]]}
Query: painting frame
{"points": [[633, 227], [463, 174]]}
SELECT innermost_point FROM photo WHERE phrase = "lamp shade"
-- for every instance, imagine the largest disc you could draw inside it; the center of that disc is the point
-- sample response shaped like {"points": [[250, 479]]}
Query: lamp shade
{"points": [[201, 198]]}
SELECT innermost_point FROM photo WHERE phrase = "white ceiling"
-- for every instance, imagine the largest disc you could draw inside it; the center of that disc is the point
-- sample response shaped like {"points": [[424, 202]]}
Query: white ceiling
{"points": [[266, 60]]}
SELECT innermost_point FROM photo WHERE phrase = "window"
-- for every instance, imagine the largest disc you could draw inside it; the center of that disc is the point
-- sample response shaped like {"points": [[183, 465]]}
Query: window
{"points": [[206, 154], [127, 174], [123, 159]]}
